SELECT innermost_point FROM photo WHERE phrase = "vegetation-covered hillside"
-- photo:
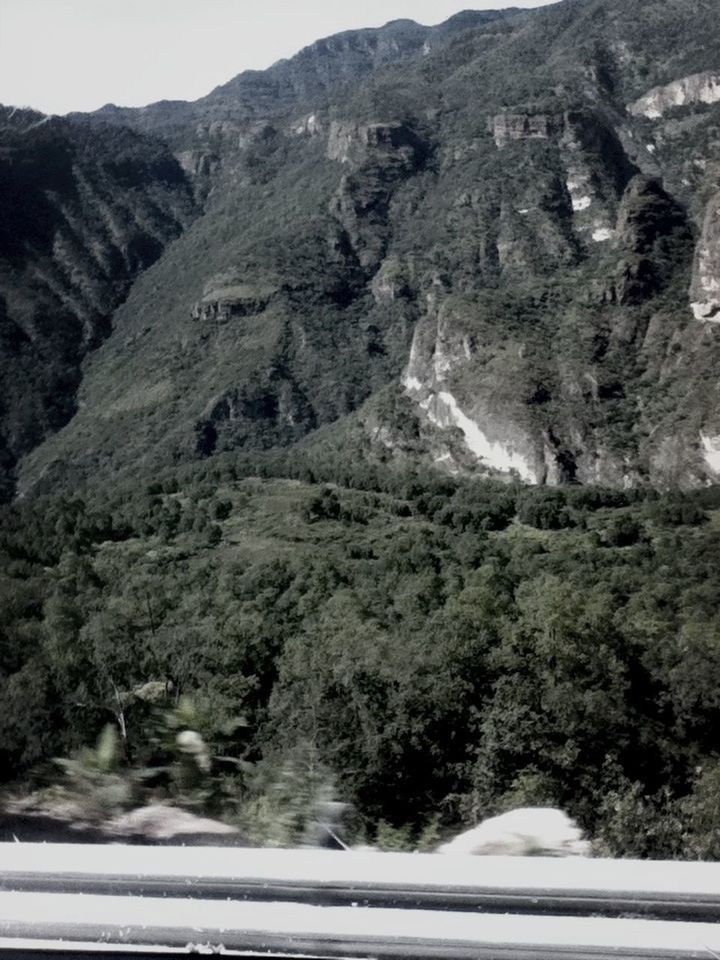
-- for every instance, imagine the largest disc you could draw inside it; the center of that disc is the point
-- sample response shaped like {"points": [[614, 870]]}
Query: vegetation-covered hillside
{"points": [[359, 432], [85, 208], [513, 219], [441, 649]]}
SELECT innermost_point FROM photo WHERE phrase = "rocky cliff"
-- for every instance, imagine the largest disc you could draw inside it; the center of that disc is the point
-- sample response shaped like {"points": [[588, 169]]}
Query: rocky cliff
{"points": [[206, 133], [509, 221], [686, 91], [705, 290]]}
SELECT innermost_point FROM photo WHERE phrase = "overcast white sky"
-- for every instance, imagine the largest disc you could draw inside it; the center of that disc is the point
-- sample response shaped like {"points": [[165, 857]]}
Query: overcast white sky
{"points": [[62, 55]]}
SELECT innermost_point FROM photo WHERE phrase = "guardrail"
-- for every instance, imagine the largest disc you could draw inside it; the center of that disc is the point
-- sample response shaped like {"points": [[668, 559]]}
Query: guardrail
{"points": [[75, 901]]}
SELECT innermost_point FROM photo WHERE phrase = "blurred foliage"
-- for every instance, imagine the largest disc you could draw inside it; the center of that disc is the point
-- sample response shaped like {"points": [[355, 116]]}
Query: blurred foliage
{"points": [[94, 783]]}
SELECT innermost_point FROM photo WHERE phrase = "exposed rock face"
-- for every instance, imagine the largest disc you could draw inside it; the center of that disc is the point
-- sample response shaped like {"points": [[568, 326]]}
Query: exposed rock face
{"points": [[342, 140], [480, 421], [386, 143], [380, 157], [528, 831], [310, 126], [598, 170], [523, 126], [226, 297], [705, 288], [390, 283], [647, 213], [711, 452], [697, 88], [199, 162]]}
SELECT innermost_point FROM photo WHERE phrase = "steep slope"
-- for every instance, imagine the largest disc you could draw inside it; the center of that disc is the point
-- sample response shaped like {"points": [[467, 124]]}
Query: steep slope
{"points": [[84, 211], [89, 206], [515, 230], [213, 122], [206, 134]]}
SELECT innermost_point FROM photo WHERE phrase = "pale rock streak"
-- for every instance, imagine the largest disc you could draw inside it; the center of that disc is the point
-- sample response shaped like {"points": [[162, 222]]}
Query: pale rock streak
{"points": [[711, 451]]}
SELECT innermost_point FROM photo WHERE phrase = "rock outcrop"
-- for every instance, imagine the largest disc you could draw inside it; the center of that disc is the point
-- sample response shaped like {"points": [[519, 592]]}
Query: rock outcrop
{"points": [[710, 446], [697, 88], [390, 144], [597, 171], [705, 288], [380, 156], [523, 126], [482, 420], [162, 822], [526, 832], [390, 283], [309, 126], [199, 162], [227, 297]]}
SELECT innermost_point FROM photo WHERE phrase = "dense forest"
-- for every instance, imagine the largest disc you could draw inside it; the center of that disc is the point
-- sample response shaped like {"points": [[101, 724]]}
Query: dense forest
{"points": [[431, 649]]}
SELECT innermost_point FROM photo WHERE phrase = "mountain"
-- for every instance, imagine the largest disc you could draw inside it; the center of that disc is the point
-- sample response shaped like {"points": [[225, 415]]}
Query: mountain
{"points": [[85, 209], [210, 129], [493, 245], [260, 350]]}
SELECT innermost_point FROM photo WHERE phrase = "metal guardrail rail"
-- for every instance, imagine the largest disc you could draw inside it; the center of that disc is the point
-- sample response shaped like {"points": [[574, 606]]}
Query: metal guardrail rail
{"points": [[536, 885], [72, 901]]}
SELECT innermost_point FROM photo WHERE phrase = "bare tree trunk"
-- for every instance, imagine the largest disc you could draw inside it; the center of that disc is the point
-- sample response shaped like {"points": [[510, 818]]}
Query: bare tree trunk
{"points": [[120, 717]]}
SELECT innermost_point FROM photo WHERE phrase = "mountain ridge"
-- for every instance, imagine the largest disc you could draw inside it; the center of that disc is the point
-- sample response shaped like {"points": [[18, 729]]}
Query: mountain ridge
{"points": [[354, 53], [524, 256], [97, 205]]}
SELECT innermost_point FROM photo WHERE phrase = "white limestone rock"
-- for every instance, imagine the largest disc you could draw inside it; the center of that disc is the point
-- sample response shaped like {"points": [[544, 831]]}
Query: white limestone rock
{"points": [[711, 452], [705, 287], [441, 352], [161, 822], [697, 88], [528, 831], [443, 410], [341, 140], [593, 205], [309, 126]]}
